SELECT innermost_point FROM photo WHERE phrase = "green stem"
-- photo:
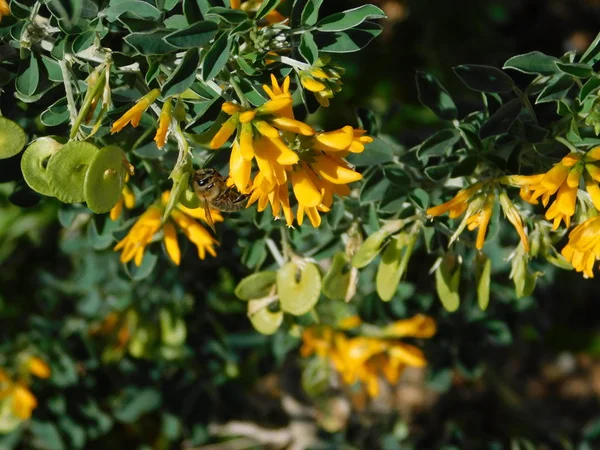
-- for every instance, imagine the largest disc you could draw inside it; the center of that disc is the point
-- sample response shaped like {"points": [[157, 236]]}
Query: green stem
{"points": [[238, 90], [87, 103], [566, 143]]}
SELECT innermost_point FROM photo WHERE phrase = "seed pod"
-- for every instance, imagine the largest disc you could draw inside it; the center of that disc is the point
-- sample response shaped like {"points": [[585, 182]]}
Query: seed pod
{"points": [[257, 285], [447, 280], [263, 320], [12, 138], [373, 244], [172, 329], [298, 287], [483, 275], [104, 179], [34, 162], [337, 280], [389, 271], [67, 169]]}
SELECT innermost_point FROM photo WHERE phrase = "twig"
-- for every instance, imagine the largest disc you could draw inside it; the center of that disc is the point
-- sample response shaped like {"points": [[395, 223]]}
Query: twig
{"points": [[68, 90]]}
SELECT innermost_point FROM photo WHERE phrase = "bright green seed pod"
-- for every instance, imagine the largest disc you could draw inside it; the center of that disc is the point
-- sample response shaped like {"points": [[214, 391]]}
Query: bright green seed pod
{"points": [[12, 138], [298, 287], [255, 286], [34, 163], [67, 169]]}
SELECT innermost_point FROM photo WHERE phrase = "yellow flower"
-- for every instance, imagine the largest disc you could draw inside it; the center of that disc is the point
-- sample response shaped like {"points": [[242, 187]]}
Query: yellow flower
{"points": [[134, 114], [477, 203], [23, 401], [563, 180], [38, 367], [323, 80], [142, 233], [4, 9], [277, 195], [163, 124], [127, 198], [363, 358], [583, 248], [259, 136]]}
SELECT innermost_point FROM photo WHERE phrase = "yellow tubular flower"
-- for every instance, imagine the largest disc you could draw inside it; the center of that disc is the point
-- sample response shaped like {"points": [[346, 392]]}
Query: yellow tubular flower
{"points": [[583, 248], [38, 367], [163, 124], [134, 115], [149, 223], [420, 326], [460, 200], [4, 9]]}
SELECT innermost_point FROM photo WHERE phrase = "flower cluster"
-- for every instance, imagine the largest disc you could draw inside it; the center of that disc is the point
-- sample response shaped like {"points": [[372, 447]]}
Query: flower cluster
{"points": [[143, 232], [17, 402], [478, 201], [364, 358], [288, 151], [323, 79]]}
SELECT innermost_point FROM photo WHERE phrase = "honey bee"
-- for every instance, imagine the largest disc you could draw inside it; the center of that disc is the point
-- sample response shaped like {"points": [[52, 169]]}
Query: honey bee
{"points": [[211, 187]]}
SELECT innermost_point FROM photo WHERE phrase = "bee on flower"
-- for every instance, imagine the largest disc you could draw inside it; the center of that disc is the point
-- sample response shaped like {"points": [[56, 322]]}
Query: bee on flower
{"points": [[143, 232], [364, 359]]}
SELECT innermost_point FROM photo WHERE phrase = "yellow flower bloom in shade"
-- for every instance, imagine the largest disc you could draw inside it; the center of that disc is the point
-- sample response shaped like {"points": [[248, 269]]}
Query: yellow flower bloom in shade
{"points": [[38, 367], [163, 124], [364, 359], [23, 401], [134, 114], [583, 248], [4, 9], [142, 233], [127, 199]]}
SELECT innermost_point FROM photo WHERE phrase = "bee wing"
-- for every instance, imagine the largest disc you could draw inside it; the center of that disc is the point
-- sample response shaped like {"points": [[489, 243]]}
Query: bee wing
{"points": [[209, 219]]}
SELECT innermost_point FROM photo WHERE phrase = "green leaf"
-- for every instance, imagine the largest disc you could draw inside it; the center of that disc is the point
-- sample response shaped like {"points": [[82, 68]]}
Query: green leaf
{"points": [[83, 41], [439, 171], [141, 8], [337, 280], [465, 167], [216, 57], [484, 78], [575, 70], [556, 90], [434, 96], [377, 152], [29, 76], [373, 244], [534, 63], [265, 8], [498, 332], [447, 280], [46, 435], [502, 120], [348, 41], [194, 36], [483, 274], [308, 48], [151, 43], [310, 13], [135, 403], [592, 54], [590, 87], [440, 144], [349, 19], [184, 75], [228, 15]]}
